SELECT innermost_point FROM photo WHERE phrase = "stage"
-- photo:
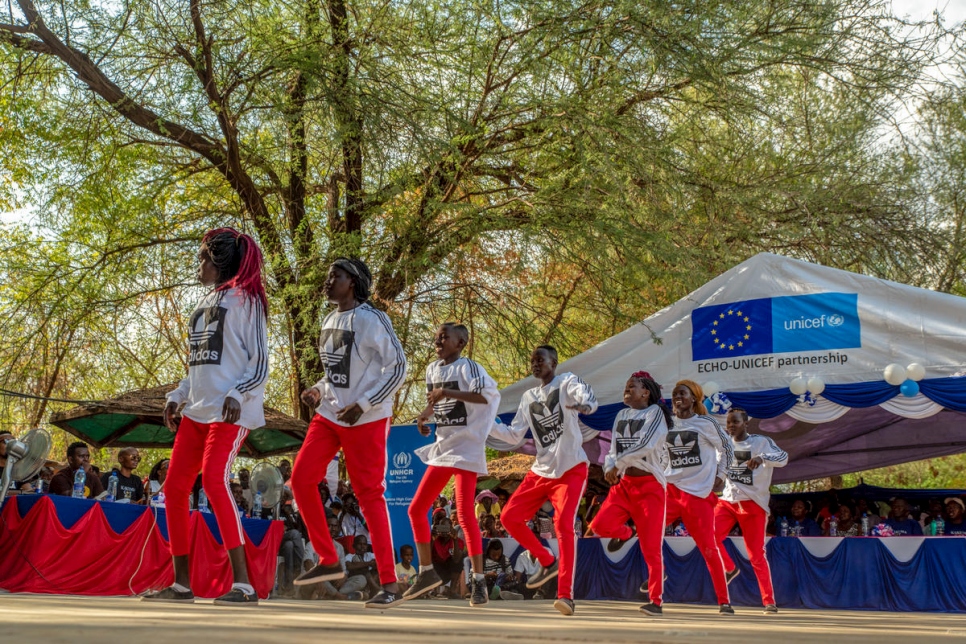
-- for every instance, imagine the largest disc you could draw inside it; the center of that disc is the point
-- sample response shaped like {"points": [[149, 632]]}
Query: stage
{"points": [[60, 618]]}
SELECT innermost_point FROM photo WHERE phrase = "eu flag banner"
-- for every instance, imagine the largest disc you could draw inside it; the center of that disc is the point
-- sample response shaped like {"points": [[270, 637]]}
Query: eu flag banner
{"points": [[784, 324], [733, 329]]}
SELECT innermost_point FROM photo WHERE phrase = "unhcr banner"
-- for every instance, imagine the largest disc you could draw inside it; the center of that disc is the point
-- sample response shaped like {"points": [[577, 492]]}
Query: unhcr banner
{"points": [[403, 474]]}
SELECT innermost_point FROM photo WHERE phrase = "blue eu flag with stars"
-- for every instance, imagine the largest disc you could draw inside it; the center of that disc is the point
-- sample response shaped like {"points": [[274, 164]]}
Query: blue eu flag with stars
{"points": [[733, 329]]}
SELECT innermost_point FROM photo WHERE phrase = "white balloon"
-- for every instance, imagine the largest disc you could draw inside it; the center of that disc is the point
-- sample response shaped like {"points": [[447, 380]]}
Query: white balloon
{"points": [[798, 386], [915, 371], [816, 385], [895, 374], [711, 388]]}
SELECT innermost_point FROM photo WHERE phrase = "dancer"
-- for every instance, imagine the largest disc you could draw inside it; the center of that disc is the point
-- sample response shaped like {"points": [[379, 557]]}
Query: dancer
{"points": [[700, 454], [364, 366], [462, 399], [745, 500], [559, 474], [637, 459], [223, 393]]}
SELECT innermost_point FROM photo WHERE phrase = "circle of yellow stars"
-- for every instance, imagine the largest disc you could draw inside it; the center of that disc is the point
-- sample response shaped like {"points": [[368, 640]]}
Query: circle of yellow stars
{"points": [[740, 343]]}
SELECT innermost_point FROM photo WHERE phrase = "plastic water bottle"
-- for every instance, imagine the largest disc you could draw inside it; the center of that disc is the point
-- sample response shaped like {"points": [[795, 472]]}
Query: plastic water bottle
{"points": [[257, 506], [112, 488], [865, 524], [833, 526], [202, 501], [784, 527], [940, 527], [79, 478], [39, 486]]}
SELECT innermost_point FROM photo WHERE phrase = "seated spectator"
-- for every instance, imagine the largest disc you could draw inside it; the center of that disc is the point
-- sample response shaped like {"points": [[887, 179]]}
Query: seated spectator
{"points": [[956, 524], [245, 479], [527, 564], [488, 527], [448, 555], [862, 508], [348, 588], [502, 496], [848, 525], [501, 580], [156, 478], [129, 486], [353, 524], [486, 504], [499, 529], [926, 519], [543, 523], [363, 562], [899, 520], [454, 520], [237, 493], [405, 570], [801, 525], [78, 458], [292, 549], [285, 467]]}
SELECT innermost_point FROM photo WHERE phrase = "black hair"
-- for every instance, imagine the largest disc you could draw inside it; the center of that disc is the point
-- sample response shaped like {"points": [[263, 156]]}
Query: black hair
{"points": [[73, 447], [654, 395], [361, 277], [549, 349], [739, 410], [404, 548], [495, 544], [153, 475], [461, 331]]}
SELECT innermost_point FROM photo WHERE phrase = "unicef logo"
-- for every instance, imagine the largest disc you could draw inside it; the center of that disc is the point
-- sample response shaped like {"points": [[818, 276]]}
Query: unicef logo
{"points": [[836, 320], [402, 460]]}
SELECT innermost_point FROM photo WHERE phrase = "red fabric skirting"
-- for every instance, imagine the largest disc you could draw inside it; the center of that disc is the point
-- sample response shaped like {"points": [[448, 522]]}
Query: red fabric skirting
{"points": [[39, 555]]}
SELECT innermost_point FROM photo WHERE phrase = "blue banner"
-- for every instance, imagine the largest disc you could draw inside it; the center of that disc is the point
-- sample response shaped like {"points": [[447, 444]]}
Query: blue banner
{"points": [[403, 475], [776, 325]]}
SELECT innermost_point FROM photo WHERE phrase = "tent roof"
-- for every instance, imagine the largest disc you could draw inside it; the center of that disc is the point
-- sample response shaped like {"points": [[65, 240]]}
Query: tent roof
{"points": [[862, 324], [135, 419]]}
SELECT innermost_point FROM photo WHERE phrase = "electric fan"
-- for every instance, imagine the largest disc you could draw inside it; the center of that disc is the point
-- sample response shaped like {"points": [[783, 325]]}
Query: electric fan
{"points": [[25, 457], [267, 479]]}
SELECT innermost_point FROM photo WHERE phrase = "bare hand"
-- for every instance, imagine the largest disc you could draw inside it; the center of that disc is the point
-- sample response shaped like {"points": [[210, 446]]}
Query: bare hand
{"points": [[581, 409], [754, 463], [349, 415], [435, 395], [718, 485], [231, 410], [311, 397], [611, 476], [422, 420], [170, 416]]}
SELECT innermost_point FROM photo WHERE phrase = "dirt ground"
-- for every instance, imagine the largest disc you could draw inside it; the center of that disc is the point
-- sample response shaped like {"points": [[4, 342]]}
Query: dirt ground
{"points": [[56, 618]]}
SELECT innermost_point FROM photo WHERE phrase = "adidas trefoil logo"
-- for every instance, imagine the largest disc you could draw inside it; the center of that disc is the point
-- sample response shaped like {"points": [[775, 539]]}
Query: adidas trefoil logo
{"points": [[331, 355], [680, 448], [444, 406], [548, 420]]}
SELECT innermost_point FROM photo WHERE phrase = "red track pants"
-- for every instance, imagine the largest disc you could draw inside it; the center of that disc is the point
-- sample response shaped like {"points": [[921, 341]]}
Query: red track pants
{"points": [[209, 449], [434, 480], [364, 447], [698, 517], [643, 499], [752, 519], [565, 494]]}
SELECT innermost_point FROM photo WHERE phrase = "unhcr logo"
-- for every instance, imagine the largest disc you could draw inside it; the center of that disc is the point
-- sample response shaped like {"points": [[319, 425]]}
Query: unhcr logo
{"points": [[401, 462]]}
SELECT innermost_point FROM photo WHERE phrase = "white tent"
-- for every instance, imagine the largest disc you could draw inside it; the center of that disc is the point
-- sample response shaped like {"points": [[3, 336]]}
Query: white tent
{"points": [[758, 327]]}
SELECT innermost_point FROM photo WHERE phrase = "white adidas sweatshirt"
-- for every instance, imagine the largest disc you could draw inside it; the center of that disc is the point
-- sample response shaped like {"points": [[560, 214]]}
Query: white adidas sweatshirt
{"points": [[639, 439], [744, 484], [700, 451]]}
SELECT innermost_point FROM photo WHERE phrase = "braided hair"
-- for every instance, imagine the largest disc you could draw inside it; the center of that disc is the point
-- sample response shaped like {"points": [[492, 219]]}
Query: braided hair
{"points": [[359, 272], [239, 262], [654, 395]]}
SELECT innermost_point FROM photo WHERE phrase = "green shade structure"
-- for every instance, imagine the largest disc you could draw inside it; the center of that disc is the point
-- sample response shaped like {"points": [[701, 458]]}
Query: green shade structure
{"points": [[135, 419]]}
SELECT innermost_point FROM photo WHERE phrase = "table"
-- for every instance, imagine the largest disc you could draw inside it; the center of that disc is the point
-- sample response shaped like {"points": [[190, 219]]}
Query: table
{"points": [[62, 545]]}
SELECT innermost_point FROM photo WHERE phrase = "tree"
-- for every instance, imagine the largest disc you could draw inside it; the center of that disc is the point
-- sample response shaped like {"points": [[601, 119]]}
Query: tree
{"points": [[522, 162]]}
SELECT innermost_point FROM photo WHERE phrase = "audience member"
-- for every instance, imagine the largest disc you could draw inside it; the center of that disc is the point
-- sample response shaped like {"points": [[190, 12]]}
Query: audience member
{"points": [[240, 503], [501, 580], [157, 476], [488, 527], [448, 555], [292, 549], [935, 511], [899, 520], [405, 570], [801, 524], [457, 528], [486, 504], [347, 588], [363, 562], [502, 496], [129, 486], [956, 523], [78, 458], [353, 524], [244, 479], [847, 524], [526, 564], [285, 467], [862, 508]]}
